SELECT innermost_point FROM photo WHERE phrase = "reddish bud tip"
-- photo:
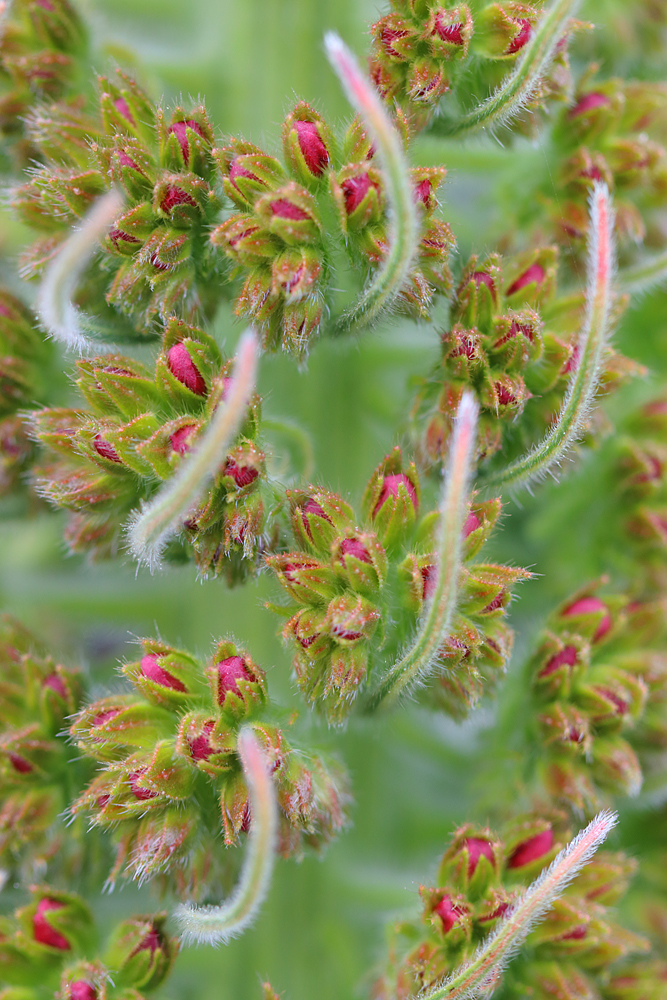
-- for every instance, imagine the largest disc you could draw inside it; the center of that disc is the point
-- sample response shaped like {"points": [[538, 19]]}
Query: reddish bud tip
{"points": [[526, 30], [314, 151], [126, 161], [588, 103], [116, 235], [504, 394], [180, 439], [471, 523], [452, 33], [312, 507], [483, 278], [123, 108], [152, 942], [353, 547], [199, 746], [152, 671], [179, 129], [56, 684], [105, 449], [284, 209], [429, 574], [103, 717], [448, 913], [183, 368], [567, 657], [42, 929], [478, 848], [175, 196], [236, 170], [243, 475], [81, 990], [390, 488], [533, 275], [532, 849], [588, 606], [578, 934], [355, 190], [142, 794], [20, 764], [230, 672], [423, 193]]}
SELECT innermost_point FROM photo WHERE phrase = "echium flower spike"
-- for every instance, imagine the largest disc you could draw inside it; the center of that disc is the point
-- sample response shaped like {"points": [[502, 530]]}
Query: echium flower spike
{"points": [[219, 924], [56, 311], [152, 527], [589, 352], [515, 92], [478, 977], [404, 234], [413, 668]]}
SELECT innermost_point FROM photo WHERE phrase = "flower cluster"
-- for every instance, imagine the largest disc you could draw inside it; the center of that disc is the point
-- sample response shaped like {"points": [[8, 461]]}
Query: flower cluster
{"points": [[171, 771], [598, 683], [102, 462], [291, 218], [479, 878], [347, 579], [51, 943], [42, 47], [37, 769], [158, 259]]}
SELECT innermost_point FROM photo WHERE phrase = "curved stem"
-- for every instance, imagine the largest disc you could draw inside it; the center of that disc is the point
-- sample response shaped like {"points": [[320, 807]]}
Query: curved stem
{"points": [[404, 230], [152, 526], [642, 277], [413, 668], [218, 924], [586, 376], [55, 309], [516, 90], [478, 976]]}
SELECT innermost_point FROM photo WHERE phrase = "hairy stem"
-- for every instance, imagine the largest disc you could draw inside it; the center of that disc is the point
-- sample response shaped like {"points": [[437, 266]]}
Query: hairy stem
{"points": [[414, 667], [57, 313], [516, 90], [151, 528], [645, 276], [404, 223], [219, 924], [588, 359], [477, 977]]}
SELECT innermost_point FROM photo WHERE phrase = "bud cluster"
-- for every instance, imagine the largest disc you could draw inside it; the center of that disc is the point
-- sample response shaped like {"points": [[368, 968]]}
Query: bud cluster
{"points": [[102, 462], [281, 239], [499, 347], [157, 256], [51, 943], [346, 579], [36, 766], [479, 878], [171, 774], [599, 686], [42, 51]]}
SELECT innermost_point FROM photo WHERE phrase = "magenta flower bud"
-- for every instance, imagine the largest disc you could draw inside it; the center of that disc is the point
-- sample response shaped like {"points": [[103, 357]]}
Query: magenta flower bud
{"points": [[532, 849], [351, 618], [306, 143], [589, 102], [391, 498], [200, 746], [43, 931], [244, 241], [243, 475], [533, 275], [230, 671], [183, 368], [139, 791], [305, 578], [290, 213], [81, 990], [395, 38], [448, 913], [181, 440], [55, 683], [237, 684], [567, 657], [152, 671], [449, 31], [105, 449], [478, 848], [319, 519], [522, 37], [591, 605], [391, 489], [172, 196], [426, 81], [313, 149], [141, 952], [180, 130]]}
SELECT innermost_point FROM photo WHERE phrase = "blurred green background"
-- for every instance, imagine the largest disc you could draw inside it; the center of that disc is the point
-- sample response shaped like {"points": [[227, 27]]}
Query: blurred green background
{"points": [[415, 776]]}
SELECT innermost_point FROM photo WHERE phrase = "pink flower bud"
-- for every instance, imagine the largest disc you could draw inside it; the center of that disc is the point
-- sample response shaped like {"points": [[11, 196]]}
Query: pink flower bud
{"points": [[237, 169], [353, 547], [452, 33], [588, 103], [117, 235], [532, 849], [449, 914], [140, 793], [230, 671], [20, 764], [312, 507], [175, 196], [81, 990], [200, 746], [429, 574], [56, 684], [355, 190], [43, 932], [243, 475], [588, 606], [391, 488], [523, 36], [152, 671], [183, 368], [567, 657], [314, 151], [105, 449], [179, 129], [478, 848], [123, 108], [180, 440], [284, 209], [471, 523], [535, 274]]}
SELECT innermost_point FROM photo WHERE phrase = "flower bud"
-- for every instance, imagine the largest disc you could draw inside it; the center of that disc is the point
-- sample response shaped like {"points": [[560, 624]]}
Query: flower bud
{"points": [[531, 843], [247, 172], [206, 741], [611, 697], [237, 684], [589, 614], [471, 863], [114, 384], [165, 676], [57, 920], [301, 323], [112, 724], [359, 194], [84, 981], [319, 518], [307, 142], [477, 295], [531, 277], [244, 241], [307, 630], [448, 31], [126, 109], [503, 29], [306, 579], [181, 198], [295, 273], [449, 914], [186, 140], [141, 953], [351, 618], [289, 212], [391, 499], [361, 561], [559, 662], [426, 82]]}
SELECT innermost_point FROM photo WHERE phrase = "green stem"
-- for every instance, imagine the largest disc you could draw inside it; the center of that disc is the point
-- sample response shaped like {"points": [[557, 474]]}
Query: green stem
{"points": [[404, 231], [641, 278], [516, 90], [479, 976], [151, 528], [593, 338], [414, 667], [219, 924], [57, 313]]}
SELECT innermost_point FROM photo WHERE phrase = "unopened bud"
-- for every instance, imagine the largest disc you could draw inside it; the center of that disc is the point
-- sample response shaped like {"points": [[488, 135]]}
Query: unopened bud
{"points": [[318, 518], [392, 498], [166, 676], [237, 684], [290, 213], [141, 952], [306, 143]]}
